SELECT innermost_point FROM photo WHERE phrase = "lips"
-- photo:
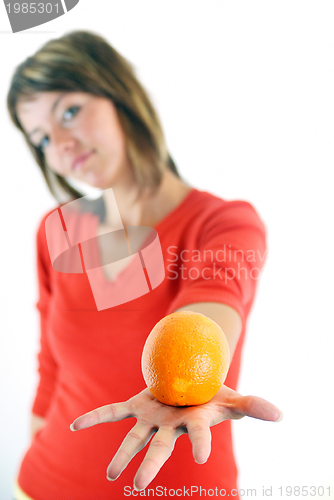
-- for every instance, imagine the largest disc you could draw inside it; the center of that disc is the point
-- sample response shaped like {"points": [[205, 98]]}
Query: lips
{"points": [[80, 160]]}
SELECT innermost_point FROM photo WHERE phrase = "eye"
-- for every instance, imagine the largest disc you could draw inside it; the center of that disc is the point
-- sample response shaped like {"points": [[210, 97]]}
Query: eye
{"points": [[70, 113], [44, 142]]}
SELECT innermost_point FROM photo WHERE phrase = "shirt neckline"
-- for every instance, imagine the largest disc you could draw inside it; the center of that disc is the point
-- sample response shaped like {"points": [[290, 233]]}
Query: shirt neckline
{"points": [[158, 227]]}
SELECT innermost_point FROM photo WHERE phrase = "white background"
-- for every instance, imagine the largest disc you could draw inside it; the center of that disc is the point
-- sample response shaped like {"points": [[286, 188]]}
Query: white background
{"points": [[245, 92]]}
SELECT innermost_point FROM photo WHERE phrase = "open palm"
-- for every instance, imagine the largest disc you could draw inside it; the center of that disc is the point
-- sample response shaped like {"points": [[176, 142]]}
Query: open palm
{"points": [[168, 423]]}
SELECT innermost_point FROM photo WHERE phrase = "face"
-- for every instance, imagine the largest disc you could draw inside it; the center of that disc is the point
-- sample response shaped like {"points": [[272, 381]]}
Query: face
{"points": [[80, 135]]}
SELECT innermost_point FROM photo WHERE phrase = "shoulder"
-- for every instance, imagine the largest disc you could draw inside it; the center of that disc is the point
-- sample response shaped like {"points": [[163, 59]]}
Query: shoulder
{"points": [[79, 206], [213, 210], [78, 219], [40, 233]]}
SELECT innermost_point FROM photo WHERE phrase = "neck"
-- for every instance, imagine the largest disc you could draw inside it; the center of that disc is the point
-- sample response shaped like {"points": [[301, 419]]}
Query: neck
{"points": [[151, 207]]}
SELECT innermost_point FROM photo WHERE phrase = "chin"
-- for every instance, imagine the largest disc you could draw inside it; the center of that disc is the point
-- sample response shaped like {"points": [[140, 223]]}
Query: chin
{"points": [[83, 184], [97, 181]]}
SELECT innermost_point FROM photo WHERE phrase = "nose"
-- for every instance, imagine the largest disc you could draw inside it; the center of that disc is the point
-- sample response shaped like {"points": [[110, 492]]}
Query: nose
{"points": [[63, 139]]}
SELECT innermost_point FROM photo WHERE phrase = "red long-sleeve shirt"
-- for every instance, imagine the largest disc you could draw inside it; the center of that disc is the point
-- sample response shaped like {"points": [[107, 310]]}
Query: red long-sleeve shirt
{"points": [[89, 358]]}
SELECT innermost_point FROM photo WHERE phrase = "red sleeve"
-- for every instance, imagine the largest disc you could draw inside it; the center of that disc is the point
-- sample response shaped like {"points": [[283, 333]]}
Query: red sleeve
{"points": [[226, 259], [47, 366]]}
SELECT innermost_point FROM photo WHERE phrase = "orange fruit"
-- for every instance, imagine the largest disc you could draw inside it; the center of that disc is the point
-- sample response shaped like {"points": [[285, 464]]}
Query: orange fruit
{"points": [[185, 359]]}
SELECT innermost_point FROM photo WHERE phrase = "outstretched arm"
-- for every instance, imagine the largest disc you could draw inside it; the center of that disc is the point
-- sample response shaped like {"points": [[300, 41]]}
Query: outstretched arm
{"points": [[168, 422], [225, 316]]}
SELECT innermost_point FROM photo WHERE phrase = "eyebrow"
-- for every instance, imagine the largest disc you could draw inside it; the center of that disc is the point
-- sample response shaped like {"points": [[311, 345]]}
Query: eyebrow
{"points": [[53, 109]]}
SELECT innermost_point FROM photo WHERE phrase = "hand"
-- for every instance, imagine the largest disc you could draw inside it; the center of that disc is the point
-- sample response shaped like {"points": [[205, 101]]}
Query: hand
{"points": [[168, 423], [36, 424]]}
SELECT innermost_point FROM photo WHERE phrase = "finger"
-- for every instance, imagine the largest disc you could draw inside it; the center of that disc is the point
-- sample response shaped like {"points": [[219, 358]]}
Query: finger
{"points": [[107, 413], [200, 437], [134, 441], [159, 451], [256, 407]]}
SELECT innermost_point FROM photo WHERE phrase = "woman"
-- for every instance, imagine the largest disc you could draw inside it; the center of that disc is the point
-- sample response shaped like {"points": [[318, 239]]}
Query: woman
{"points": [[85, 117]]}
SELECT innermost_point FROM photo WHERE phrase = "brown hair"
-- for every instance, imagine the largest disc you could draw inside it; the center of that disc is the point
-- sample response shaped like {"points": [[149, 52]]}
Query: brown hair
{"points": [[84, 62]]}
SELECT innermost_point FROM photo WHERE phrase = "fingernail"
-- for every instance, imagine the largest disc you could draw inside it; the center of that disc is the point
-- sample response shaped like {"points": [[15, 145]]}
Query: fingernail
{"points": [[280, 418], [137, 489], [113, 479], [72, 428]]}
